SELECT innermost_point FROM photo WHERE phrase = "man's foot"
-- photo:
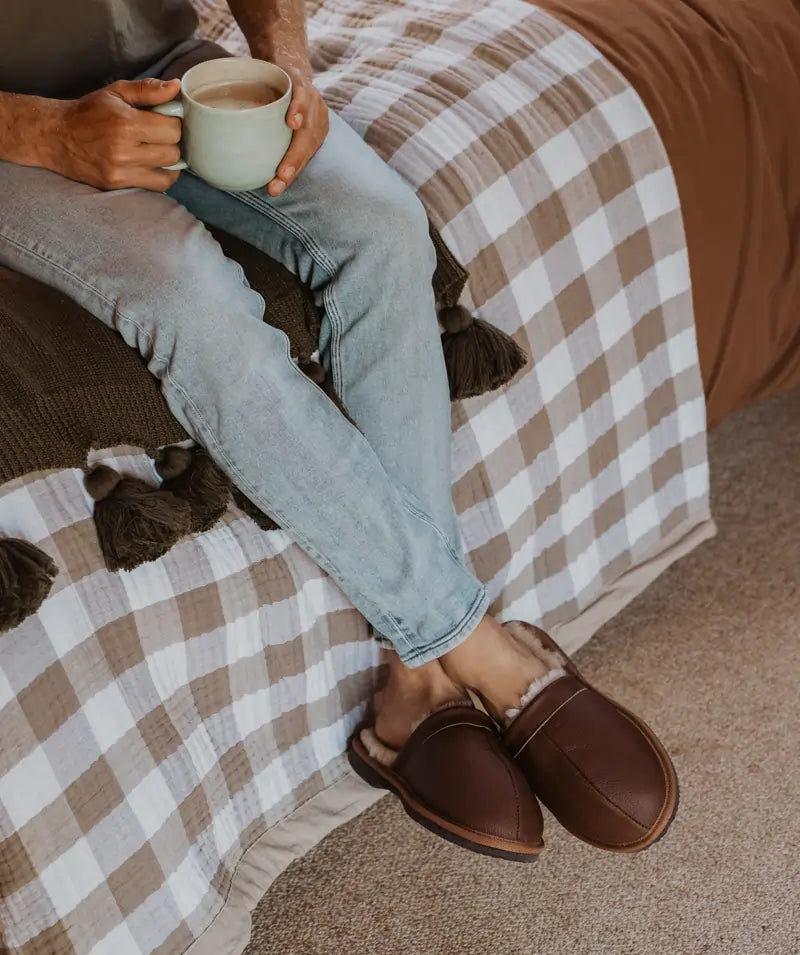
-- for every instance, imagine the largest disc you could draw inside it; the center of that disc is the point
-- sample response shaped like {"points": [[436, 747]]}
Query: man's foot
{"points": [[600, 769], [450, 772], [498, 666], [408, 697]]}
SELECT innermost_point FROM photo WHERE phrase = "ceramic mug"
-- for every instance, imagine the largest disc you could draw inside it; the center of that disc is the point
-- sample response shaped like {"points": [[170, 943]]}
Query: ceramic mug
{"points": [[233, 149]]}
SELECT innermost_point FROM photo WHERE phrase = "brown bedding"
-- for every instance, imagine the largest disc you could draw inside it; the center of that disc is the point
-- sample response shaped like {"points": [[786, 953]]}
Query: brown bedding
{"points": [[721, 81]]}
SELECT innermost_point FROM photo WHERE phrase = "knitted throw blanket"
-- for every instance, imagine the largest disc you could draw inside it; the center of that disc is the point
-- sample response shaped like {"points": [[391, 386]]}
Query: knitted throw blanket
{"points": [[69, 384]]}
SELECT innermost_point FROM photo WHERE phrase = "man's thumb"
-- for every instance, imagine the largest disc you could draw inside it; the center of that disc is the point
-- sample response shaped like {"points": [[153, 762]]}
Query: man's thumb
{"points": [[147, 92]]}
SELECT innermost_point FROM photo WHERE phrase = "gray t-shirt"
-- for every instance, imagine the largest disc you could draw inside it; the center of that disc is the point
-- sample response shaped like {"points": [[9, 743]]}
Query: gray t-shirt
{"points": [[69, 47]]}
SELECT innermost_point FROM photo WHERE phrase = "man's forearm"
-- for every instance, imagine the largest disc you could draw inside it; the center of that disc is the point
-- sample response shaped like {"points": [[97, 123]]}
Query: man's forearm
{"points": [[275, 30], [26, 129]]}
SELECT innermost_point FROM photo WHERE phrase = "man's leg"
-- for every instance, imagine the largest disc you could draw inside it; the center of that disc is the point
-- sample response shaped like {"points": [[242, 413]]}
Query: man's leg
{"points": [[358, 236], [143, 265]]}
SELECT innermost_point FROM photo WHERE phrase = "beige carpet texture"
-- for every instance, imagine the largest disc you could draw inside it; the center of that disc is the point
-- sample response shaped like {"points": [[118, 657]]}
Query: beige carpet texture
{"points": [[710, 656]]}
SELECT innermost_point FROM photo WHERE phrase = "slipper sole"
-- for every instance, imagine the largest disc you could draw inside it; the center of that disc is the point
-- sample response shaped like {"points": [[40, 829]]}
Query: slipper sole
{"points": [[382, 777]]}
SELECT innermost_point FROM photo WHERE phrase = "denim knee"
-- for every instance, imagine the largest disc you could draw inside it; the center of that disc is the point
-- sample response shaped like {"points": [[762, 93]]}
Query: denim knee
{"points": [[188, 295], [403, 242]]}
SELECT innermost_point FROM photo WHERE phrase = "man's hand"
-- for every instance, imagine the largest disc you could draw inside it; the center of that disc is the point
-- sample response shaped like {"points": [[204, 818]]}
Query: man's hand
{"points": [[308, 118], [275, 31], [104, 140]]}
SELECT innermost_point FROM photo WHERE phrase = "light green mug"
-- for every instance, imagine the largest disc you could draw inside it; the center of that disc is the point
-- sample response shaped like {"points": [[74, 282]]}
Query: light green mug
{"points": [[233, 149]]}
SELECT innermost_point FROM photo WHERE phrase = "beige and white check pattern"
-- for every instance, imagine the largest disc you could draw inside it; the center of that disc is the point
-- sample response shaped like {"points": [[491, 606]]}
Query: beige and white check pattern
{"points": [[542, 170], [156, 723]]}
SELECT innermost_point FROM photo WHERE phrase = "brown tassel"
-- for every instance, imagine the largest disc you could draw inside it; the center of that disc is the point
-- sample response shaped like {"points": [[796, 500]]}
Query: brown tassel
{"points": [[192, 476], [26, 576], [135, 522], [312, 369], [264, 521], [479, 357]]}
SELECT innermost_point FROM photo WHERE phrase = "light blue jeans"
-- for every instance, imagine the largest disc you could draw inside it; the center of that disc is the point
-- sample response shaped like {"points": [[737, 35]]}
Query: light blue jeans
{"points": [[372, 506]]}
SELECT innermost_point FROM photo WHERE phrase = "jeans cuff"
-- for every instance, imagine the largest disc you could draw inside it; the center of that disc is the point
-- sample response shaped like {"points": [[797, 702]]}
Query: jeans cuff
{"points": [[417, 656]]}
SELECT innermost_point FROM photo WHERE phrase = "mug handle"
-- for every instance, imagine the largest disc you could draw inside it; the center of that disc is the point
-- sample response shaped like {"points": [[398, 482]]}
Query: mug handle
{"points": [[173, 108]]}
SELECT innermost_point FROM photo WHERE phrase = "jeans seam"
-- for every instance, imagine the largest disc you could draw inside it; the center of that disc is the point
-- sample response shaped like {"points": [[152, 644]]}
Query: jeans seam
{"points": [[211, 438], [204, 426], [426, 519], [335, 319], [473, 611], [320, 258], [92, 288], [248, 488], [81, 281], [289, 224]]}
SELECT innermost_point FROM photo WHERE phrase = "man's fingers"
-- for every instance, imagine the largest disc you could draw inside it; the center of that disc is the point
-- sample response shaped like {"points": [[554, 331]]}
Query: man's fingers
{"points": [[151, 156], [155, 128], [157, 180], [298, 108], [300, 167], [309, 132], [277, 186], [139, 177], [147, 92], [142, 125], [300, 149]]}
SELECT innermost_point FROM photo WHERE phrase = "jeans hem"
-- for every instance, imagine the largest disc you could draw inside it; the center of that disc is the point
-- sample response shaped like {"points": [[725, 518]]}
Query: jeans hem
{"points": [[420, 655]]}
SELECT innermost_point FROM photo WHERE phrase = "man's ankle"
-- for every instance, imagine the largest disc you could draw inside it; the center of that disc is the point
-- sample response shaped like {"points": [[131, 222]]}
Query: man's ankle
{"points": [[496, 666]]}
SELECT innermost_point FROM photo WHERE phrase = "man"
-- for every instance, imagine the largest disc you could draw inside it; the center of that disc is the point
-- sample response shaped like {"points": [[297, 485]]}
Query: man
{"points": [[86, 207]]}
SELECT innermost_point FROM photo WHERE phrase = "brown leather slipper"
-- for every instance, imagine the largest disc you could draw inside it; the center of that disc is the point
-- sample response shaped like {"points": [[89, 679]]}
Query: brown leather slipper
{"points": [[599, 768], [454, 778]]}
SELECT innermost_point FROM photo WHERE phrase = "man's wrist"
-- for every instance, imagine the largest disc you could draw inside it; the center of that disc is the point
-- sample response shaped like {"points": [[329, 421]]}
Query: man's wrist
{"points": [[29, 130], [51, 132], [292, 57]]}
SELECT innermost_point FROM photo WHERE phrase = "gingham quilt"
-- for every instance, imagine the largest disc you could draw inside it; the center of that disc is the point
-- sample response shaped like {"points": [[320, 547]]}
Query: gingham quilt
{"points": [[157, 723]]}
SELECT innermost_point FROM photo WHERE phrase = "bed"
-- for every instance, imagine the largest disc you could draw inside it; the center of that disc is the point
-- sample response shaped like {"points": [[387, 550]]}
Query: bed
{"points": [[173, 736], [717, 77]]}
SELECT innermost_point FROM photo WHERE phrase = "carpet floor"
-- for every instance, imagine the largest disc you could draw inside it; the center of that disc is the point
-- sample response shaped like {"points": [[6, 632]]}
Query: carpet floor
{"points": [[710, 656]]}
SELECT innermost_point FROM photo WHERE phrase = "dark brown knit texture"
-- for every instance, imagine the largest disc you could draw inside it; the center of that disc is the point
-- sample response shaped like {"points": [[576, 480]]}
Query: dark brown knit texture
{"points": [[68, 383]]}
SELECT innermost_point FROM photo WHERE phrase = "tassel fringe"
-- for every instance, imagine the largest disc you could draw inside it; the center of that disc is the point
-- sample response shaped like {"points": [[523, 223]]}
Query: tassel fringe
{"points": [[478, 356], [192, 476], [26, 576], [135, 522], [312, 369]]}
